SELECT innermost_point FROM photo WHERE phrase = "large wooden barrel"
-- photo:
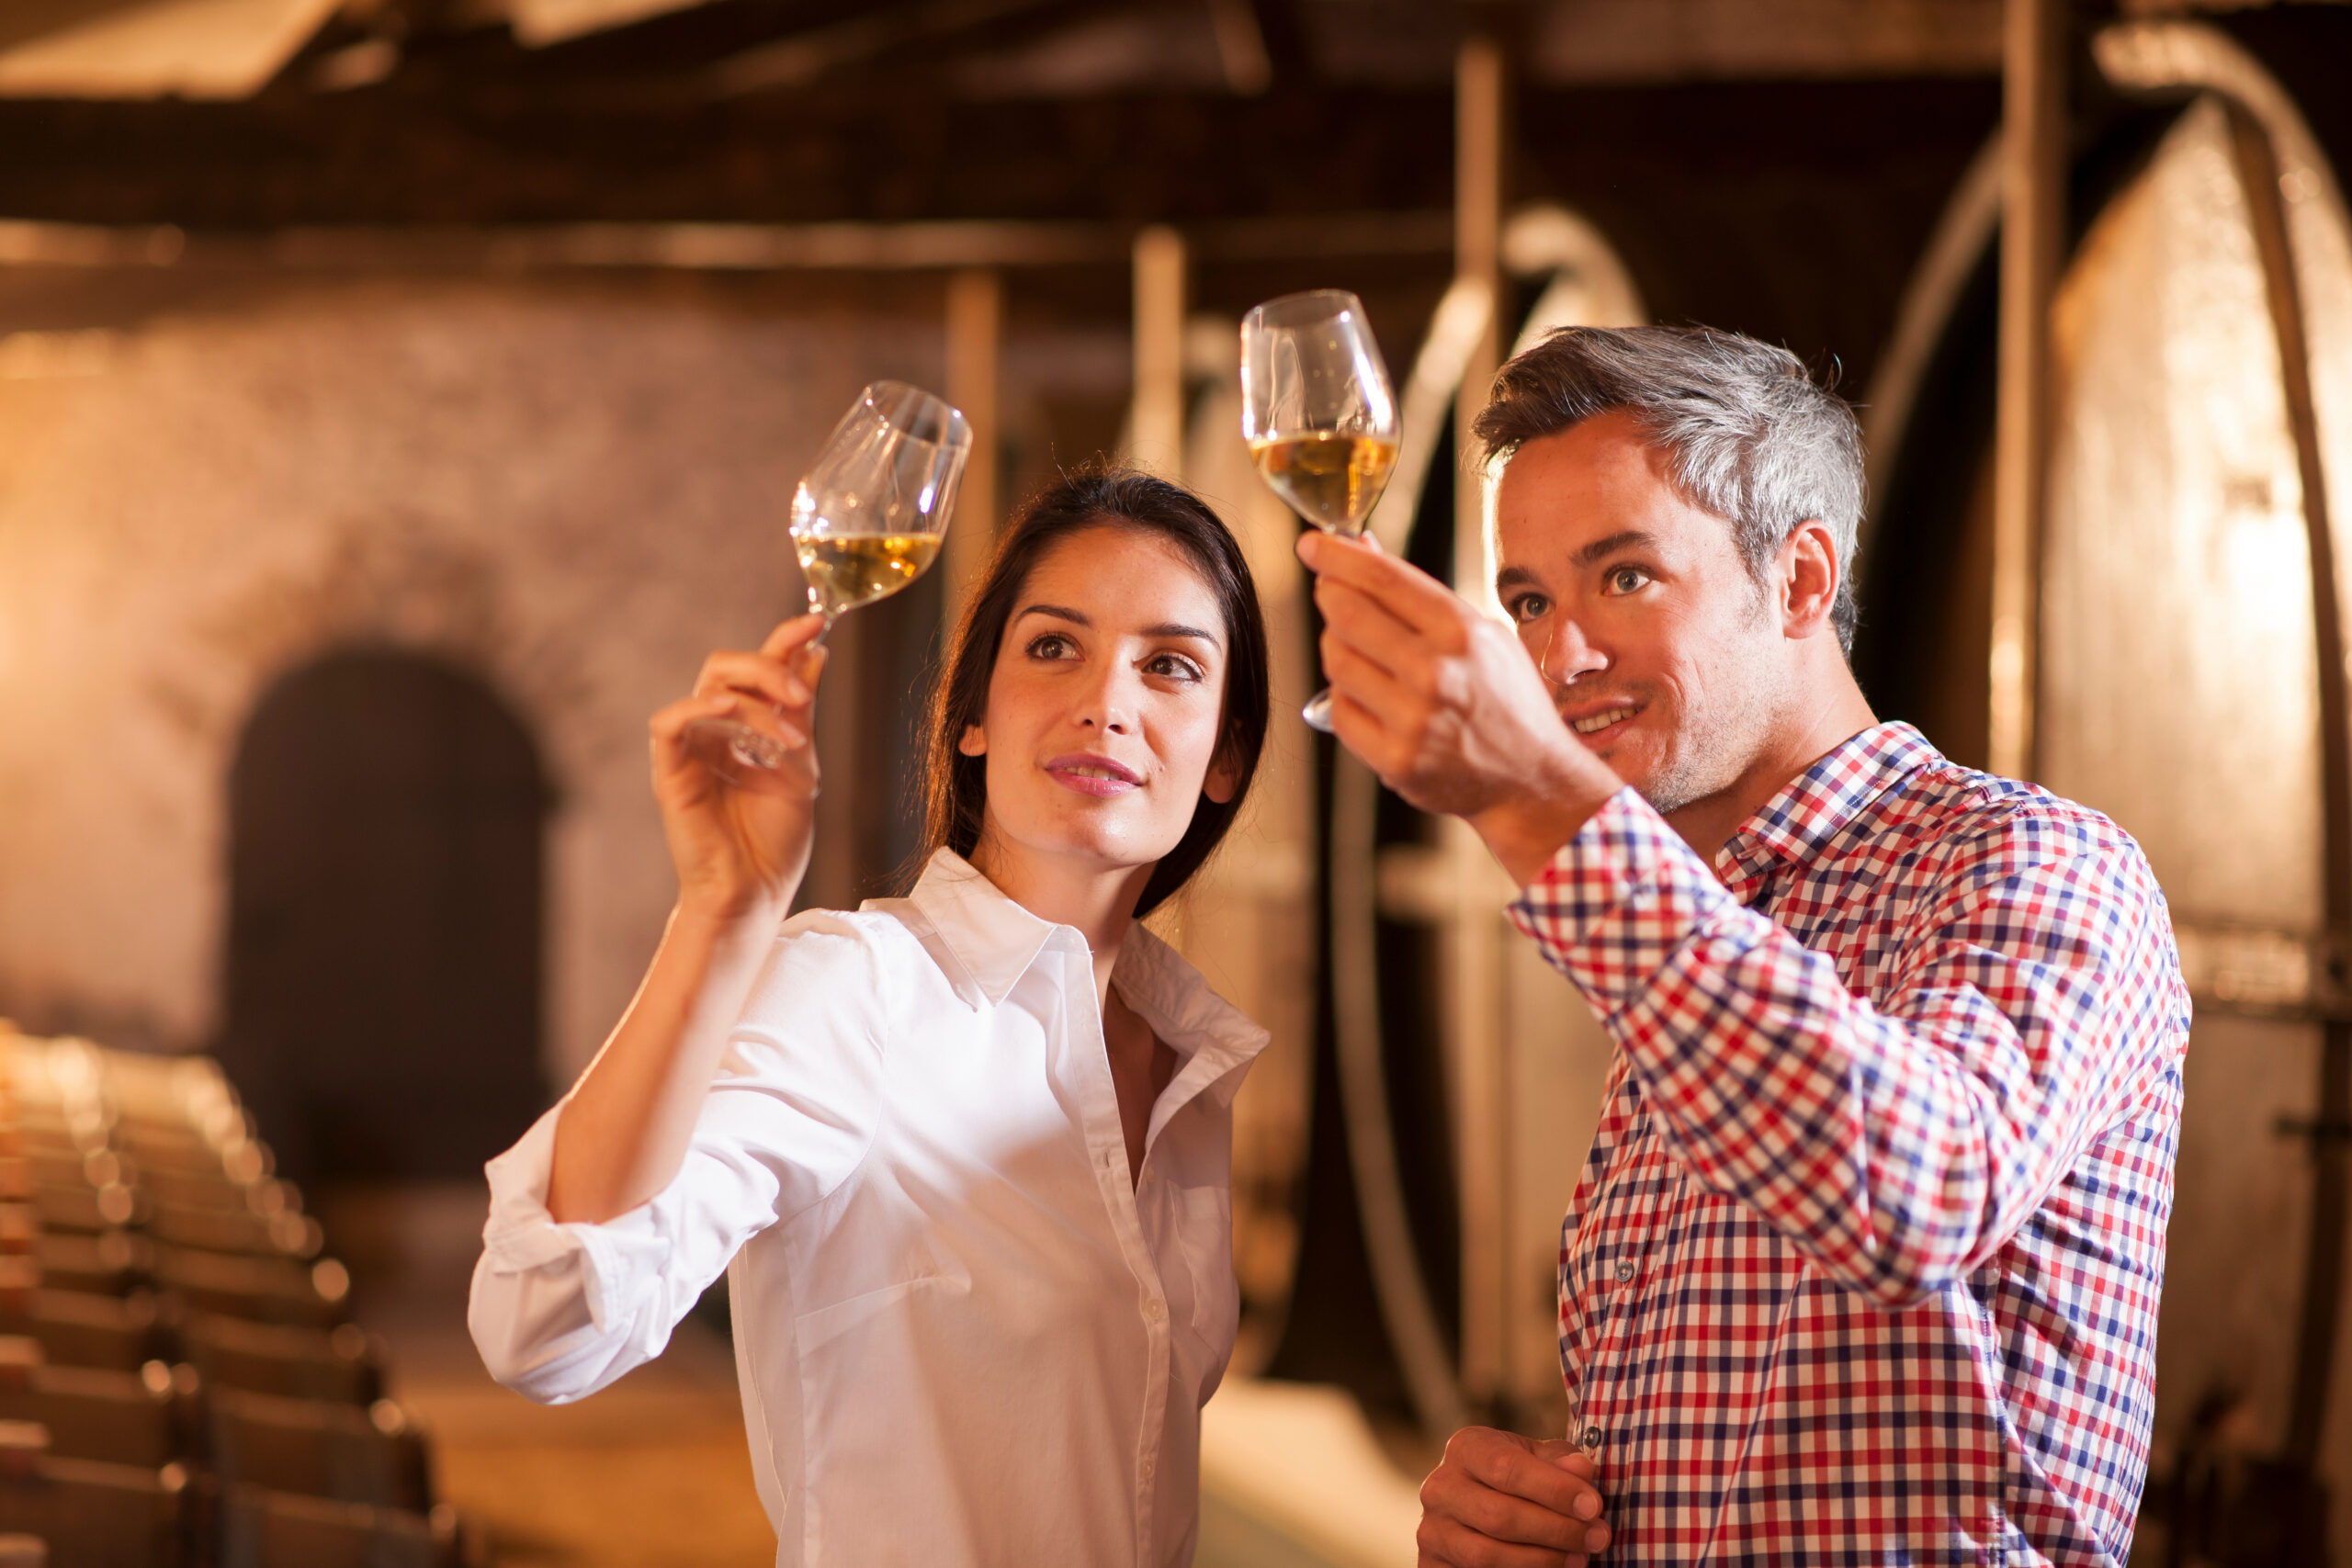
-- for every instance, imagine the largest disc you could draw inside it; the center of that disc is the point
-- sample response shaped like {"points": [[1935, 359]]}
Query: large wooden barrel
{"points": [[2190, 683]]}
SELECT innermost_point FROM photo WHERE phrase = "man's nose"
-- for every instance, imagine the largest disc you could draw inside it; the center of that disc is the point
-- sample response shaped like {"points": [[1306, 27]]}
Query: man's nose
{"points": [[1570, 654]]}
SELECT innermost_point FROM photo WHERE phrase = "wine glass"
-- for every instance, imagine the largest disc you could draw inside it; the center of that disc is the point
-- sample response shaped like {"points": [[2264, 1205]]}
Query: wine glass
{"points": [[1320, 415], [866, 520]]}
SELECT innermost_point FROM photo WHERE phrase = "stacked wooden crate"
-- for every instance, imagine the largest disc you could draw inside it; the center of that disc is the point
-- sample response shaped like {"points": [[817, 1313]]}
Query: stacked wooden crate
{"points": [[181, 1385]]}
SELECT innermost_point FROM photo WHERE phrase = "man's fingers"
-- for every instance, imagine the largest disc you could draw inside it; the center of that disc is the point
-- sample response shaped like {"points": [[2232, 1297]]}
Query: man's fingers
{"points": [[1363, 617], [1366, 679], [1448, 1544], [1522, 1473], [1359, 729], [1576, 1461], [1403, 589]]}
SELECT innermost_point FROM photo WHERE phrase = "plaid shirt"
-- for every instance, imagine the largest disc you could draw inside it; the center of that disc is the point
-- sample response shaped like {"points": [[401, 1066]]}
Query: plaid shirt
{"points": [[1864, 1266]]}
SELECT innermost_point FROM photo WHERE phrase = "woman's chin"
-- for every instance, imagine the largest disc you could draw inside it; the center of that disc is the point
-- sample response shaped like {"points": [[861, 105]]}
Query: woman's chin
{"points": [[1095, 846]]}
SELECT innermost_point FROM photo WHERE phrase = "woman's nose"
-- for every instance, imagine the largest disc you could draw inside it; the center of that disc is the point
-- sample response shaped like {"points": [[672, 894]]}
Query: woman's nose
{"points": [[1107, 705], [1570, 654]]}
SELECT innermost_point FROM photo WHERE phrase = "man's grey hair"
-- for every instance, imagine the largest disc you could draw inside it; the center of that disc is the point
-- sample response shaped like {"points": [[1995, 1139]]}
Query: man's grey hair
{"points": [[1747, 433]]}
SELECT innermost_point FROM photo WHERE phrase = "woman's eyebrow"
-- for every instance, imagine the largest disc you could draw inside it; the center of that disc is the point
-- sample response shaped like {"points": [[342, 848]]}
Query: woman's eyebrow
{"points": [[1166, 629]]}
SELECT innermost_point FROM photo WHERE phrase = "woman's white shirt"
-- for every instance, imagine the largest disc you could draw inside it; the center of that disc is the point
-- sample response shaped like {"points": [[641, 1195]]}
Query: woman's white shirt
{"points": [[962, 1338]]}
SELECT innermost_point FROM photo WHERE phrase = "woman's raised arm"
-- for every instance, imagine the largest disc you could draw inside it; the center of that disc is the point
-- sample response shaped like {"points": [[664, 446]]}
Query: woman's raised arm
{"points": [[741, 850]]}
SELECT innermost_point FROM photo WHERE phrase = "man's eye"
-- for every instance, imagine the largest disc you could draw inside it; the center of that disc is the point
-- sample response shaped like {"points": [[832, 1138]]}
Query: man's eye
{"points": [[1529, 607], [1627, 579]]}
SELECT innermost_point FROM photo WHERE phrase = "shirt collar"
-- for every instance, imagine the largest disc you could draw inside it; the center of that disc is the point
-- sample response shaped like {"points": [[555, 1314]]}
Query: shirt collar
{"points": [[991, 938], [1213, 1038], [985, 943], [1816, 805]]}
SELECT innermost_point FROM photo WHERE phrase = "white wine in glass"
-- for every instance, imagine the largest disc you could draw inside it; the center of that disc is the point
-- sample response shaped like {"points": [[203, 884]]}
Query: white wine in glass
{"points": [[1331, 480], [847, 571], [1320, 415], [868, 520]]}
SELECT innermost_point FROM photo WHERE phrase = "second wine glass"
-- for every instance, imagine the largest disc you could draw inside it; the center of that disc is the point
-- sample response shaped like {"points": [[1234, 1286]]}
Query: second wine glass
{"points": [[867, 519], [1320, 415]]}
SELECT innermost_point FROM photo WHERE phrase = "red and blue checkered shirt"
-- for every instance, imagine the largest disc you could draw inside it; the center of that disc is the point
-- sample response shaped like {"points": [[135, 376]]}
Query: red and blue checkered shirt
{"points": [[1864, 1266]]}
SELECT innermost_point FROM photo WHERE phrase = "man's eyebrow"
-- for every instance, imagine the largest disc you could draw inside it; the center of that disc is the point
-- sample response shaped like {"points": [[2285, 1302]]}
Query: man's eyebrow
{"points": [[1514, 577], [1626, 539], [1166, 629]]}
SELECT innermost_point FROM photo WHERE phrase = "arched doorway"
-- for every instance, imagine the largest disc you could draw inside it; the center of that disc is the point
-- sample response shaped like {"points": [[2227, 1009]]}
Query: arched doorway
{"points": [[383, 996]]}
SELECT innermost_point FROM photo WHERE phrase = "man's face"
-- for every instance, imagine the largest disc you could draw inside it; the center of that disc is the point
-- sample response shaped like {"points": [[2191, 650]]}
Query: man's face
{"points": [[1659, 649]]}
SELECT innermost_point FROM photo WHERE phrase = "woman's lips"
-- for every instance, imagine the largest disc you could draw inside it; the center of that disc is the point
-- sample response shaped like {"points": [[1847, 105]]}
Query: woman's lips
{"points": [[1088, 773]]}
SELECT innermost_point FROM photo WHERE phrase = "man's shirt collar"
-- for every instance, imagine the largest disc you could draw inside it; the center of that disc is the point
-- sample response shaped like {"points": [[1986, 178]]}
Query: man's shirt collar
{"points": [[1818, 804]]}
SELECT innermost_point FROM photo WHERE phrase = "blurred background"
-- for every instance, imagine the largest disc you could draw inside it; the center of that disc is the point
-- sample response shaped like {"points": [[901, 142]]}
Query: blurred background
{"points": [[399, 397]]}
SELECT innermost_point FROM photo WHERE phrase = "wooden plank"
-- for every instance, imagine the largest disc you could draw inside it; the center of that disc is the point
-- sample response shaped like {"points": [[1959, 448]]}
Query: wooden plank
{"points": [[975, 350], [1474, 937], [2034, 151], [1155, 417]]}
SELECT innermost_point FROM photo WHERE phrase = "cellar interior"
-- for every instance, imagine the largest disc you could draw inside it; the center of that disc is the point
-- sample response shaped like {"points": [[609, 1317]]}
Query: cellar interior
{"points": [[398, 398]]}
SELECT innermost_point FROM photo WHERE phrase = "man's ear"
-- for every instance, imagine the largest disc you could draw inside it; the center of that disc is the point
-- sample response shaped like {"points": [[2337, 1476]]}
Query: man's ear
{"points": [[974, 742], [1809, 579]]}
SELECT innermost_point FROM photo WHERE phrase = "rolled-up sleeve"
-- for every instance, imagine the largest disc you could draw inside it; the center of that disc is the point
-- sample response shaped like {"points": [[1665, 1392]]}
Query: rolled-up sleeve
{"points": [[560, 1311]]}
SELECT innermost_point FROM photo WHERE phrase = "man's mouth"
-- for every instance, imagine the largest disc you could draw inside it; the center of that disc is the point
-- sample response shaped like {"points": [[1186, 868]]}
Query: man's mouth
{"points": [[1593, 724]]}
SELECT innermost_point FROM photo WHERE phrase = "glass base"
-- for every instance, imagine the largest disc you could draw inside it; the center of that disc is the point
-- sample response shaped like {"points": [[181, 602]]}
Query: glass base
{"points": [[1317, 711], [743, 756]]}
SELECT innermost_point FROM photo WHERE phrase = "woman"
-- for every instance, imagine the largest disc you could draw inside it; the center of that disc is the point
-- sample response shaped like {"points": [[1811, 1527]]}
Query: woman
{"points": [[967, 1150]]}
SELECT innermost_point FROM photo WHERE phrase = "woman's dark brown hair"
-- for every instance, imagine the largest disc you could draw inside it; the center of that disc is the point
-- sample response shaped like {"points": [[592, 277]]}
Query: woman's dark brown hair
{"points": [[956, 786]]}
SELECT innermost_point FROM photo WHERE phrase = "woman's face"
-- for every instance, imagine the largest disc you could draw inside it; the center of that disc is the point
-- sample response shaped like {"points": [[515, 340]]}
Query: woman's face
{"points": [[1106, 705]]}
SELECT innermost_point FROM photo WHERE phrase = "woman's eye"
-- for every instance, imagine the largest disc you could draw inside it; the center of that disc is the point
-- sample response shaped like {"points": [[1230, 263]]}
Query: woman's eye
{"points": [[1052, 645], [1172, 665], [1627, 579]]}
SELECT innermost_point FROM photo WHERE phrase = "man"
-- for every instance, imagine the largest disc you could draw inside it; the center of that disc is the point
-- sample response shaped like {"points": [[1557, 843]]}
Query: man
{"points": [[1864, 1262]]}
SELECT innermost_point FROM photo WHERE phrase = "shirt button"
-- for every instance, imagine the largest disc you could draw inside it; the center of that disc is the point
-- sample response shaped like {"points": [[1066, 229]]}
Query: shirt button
{"points": [[1153, 1311], [1144, 1469], [1592, 1436], [1624, 1270]]}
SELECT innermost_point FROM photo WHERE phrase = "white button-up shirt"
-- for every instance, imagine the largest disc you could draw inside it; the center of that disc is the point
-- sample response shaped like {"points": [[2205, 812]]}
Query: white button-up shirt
{"points": [[963, 1337]]}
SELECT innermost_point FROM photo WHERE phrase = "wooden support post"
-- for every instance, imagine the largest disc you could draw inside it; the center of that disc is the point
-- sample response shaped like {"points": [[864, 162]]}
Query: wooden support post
{"points": [[1156, 418], [975, 341], [2033, 173], [1474, 945]]}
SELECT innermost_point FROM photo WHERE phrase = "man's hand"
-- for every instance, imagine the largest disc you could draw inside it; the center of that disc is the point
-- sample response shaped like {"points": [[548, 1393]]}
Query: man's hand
{"points": [[1499, 1500], [1446, 707]]}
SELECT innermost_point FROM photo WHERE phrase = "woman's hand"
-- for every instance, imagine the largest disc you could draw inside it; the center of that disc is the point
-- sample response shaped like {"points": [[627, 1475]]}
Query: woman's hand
{"points": [[740, 835]]}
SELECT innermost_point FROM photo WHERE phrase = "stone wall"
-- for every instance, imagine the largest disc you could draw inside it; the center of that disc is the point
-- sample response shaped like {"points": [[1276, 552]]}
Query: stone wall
{"points": [[572, 489]]}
